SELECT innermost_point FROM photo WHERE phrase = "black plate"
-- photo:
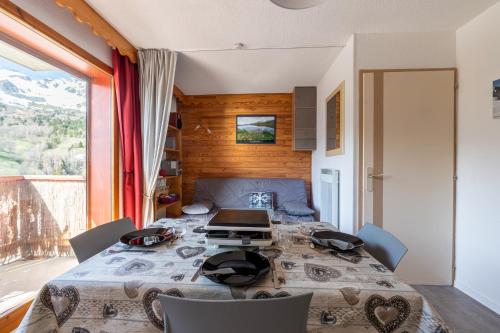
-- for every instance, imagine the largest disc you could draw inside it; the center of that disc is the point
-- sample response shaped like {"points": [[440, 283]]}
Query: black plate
{"points": [[249, 267], [148, 236], [336, 240]]}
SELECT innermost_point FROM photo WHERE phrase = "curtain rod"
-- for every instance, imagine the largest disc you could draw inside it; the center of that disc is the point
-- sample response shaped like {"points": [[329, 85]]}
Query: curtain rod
{"points": [[243, 48]]}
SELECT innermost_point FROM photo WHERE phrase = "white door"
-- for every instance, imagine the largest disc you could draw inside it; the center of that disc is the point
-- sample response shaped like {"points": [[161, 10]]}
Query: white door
{"points": [[408, 167]]}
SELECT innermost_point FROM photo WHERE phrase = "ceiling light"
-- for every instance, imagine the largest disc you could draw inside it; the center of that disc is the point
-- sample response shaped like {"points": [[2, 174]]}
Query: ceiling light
{"points": [[297, 4]]}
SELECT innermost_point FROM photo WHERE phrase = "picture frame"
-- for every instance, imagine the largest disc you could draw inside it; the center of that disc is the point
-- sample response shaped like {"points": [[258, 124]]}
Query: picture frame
{"points": [[335, 121], [255, 129], [496, 99]]}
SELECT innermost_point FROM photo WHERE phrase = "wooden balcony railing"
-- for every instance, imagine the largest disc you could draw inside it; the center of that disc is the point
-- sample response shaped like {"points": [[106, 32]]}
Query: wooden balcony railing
{"points": [[39, 214]]}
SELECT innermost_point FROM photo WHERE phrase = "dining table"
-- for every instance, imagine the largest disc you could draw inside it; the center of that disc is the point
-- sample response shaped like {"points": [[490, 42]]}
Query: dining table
{"points": [[117, 289]]}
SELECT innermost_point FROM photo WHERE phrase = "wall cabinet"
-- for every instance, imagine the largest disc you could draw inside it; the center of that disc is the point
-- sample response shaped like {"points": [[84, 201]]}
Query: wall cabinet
{"points": [[304, 118]]}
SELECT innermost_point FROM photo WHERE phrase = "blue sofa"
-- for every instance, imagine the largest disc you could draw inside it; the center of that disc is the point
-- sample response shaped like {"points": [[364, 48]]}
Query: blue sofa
{"points": [[234, 193]]}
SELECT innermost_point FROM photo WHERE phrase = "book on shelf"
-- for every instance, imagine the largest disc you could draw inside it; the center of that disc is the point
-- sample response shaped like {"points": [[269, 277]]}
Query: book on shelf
{"points": [[170, 142], [170, 168]]}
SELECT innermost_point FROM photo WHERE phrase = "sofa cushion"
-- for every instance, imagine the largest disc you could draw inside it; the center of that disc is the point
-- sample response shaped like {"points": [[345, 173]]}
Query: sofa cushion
{"points": [[234, 192], [297, 208], [197, 208], [261, 200]]}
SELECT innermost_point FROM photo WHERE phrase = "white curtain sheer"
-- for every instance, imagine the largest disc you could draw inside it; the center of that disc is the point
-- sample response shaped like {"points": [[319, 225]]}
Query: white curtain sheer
{"points": [[156, 84]]}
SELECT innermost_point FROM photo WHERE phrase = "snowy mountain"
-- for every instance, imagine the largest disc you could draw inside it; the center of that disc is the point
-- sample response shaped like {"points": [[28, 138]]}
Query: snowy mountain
{"points": [[21, 91]]}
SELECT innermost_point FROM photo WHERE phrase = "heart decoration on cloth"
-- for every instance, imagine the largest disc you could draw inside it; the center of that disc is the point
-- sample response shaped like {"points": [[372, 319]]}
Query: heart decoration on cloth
{"points": [[328, 318], [288, 265], [186, 252], [320, 273], [239, 292], [131, 288], [177, 277], [265, 295], [385, 283], [386, 315], [351, 295], [379, 268], [63, 302], [109, 311], [271, 253], [79, 330], [135, 266], [152, 305]]}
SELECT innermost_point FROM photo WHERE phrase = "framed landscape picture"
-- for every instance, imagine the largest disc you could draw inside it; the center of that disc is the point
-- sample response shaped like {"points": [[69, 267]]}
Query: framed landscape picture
{"points": [[496, 99], [255, 129]]}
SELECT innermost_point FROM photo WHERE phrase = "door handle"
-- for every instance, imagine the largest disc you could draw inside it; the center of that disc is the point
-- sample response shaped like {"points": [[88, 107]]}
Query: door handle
{"points": [[378, 176]]}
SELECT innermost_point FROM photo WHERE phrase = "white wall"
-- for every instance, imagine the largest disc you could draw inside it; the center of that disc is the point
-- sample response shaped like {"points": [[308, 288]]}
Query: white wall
{"points": [[478, 161], [62, 21], [405, 50], [341, 70], [368, 51]]}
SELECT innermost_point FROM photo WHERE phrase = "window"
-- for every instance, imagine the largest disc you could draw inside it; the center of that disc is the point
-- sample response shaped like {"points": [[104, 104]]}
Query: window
{"points": [[59, 156], [43, 164]]}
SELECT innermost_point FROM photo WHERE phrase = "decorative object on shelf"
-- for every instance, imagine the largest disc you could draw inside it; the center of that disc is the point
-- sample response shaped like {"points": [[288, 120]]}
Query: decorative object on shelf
{"points": [[297, 4], [256, 129], [165, 198], [171, 168], [170, 142], [175, 120], [496, 99], [261, 200], [161, 183]]}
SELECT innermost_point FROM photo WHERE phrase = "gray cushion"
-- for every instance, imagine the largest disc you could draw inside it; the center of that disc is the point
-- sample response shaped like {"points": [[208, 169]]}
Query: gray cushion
{"points": [[234, 192], [197, 208], [297, 208]]}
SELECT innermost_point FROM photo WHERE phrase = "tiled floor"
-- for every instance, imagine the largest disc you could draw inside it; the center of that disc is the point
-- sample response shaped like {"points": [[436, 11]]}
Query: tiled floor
{"points": [[462, 313]]}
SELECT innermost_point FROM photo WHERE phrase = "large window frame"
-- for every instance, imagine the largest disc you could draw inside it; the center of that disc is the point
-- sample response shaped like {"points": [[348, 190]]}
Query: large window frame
{"points": [[102, 131]]}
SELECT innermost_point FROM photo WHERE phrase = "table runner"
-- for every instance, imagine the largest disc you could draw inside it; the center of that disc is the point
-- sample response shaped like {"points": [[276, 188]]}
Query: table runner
{"points": [[116, 290]]}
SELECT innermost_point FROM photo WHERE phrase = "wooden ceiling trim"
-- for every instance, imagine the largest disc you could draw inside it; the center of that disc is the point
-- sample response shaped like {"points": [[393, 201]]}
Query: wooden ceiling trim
{"points": [[180, 95], [83, 13], [240, 100]]}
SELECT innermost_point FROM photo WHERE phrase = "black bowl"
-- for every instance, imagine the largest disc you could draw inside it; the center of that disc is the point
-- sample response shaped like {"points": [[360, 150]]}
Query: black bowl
{"points": [[248, 267], [337, 240], [148, 236]]}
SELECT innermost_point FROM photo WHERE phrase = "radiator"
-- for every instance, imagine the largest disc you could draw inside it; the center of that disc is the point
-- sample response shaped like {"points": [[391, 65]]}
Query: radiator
{"points": [[329, 209]]}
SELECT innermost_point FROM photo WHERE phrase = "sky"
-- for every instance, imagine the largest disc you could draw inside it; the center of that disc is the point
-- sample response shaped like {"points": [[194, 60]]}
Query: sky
{"points": [[252, 120]]}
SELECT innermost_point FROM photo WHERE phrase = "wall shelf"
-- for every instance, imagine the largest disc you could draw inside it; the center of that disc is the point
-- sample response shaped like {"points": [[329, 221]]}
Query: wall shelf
{"points": [[174, 183]]}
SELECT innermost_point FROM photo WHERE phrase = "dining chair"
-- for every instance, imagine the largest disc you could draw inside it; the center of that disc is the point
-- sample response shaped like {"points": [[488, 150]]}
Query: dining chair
{"points": [[382, 245], [99, 238], [283, 314]]}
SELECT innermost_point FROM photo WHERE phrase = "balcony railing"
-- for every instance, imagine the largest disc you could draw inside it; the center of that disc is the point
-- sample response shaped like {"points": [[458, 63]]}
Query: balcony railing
{"points": [[39, 214]]}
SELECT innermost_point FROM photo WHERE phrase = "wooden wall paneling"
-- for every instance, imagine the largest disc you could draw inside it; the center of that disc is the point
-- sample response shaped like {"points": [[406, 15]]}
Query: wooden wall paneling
{"points": [[218, 154]]}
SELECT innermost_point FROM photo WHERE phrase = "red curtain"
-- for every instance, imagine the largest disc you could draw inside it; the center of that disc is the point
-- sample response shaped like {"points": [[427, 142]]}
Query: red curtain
{"points": [[126, 77]]}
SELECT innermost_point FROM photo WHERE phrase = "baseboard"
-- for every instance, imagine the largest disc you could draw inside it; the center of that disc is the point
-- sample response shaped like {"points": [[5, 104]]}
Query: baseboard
{"points": [[484, 300]]}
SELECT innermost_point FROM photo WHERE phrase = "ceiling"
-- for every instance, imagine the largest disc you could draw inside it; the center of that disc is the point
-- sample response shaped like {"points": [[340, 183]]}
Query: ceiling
{"points": [[186, 25]]}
